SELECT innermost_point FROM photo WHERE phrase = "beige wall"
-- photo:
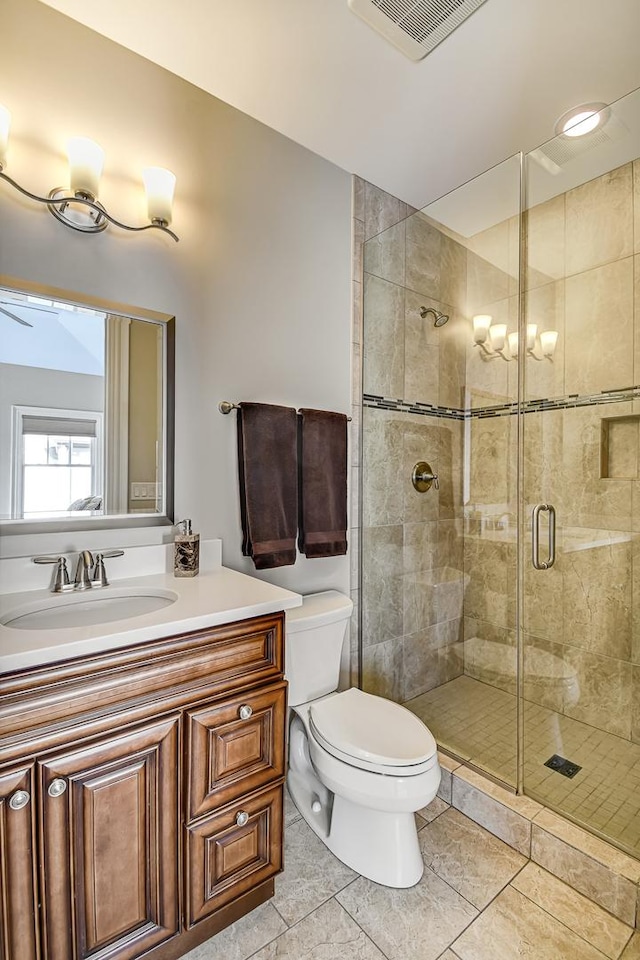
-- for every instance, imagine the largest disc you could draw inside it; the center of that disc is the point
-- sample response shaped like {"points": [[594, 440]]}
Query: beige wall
{"points": [[145, 409], [259, 283]]}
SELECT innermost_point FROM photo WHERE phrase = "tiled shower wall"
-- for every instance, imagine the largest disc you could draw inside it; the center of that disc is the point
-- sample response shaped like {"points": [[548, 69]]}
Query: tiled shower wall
{"points": [[584, 281], [373, 211], [412, 546], [439, 568], [582, 453]]}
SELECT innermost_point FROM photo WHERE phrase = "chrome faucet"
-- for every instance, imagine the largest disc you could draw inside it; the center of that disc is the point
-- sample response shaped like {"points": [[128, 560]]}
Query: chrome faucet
{"points": [[90, 571], [82, 578]]}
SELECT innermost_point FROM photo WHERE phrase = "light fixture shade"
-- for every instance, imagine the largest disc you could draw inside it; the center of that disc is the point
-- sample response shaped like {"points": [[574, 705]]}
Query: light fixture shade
{"points": [[481, 324], [86, 160], [160, 185], [5, 124], [532, 332], [582, 119], [497, 335], [548, 341], [513, 344]]}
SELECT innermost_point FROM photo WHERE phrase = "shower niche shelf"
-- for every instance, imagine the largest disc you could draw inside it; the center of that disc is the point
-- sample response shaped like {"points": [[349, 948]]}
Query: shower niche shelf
{"points": [[620, 448]]}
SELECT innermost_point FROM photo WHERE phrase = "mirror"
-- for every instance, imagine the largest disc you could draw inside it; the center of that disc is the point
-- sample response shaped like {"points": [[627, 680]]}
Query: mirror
{"points": [[86, 412]]}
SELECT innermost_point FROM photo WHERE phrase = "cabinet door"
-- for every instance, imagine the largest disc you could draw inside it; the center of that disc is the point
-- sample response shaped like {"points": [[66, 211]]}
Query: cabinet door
{"points": [[18, 919], [234, 748], [110, 845], [232, 851]]}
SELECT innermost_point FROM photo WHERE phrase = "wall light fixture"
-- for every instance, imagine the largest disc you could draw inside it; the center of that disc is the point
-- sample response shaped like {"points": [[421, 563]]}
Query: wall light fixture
{"points": [[494, 342], [77, 206]]}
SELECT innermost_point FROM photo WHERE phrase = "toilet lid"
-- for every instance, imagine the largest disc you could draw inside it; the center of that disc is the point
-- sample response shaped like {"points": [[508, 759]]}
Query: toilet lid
{"points": [[372, 729]]}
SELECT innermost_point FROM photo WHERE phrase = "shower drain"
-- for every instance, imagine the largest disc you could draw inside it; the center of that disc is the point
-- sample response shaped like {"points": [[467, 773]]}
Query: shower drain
{"points": [[566, 767]]}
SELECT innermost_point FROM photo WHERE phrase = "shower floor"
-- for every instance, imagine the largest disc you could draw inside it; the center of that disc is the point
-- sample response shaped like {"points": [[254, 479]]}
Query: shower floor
{"points": [[477, 723]]}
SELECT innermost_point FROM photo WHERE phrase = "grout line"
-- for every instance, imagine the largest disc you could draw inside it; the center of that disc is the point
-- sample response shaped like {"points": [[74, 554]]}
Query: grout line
{"points": [[348, 912], [562, 923]]}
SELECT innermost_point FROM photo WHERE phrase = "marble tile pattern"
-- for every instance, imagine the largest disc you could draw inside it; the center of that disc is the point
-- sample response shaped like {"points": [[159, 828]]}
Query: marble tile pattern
{"points": [[477, 721], [615, 893], [414, 924], [513, 926], [243, 937], [599, 221], [583, 617], [293, 899], [449, 846], [328, 932], [477, 900], [494, 812], [587, 919], [632, 951]]}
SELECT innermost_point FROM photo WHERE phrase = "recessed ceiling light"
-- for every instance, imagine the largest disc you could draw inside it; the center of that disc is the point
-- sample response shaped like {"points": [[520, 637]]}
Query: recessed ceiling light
{"points": [[582, 120]]}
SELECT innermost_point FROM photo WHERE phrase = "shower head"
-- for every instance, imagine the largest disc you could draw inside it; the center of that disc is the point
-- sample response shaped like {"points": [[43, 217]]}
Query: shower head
{"points": [[439, 319]]}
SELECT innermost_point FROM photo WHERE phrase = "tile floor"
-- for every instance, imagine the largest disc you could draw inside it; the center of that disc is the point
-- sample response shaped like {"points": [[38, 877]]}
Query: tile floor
{"points": [[477, 722], [478, 900]]}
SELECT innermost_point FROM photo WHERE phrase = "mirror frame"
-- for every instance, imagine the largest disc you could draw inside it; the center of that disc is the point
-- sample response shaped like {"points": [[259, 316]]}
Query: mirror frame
{"points": [[11, 527]]}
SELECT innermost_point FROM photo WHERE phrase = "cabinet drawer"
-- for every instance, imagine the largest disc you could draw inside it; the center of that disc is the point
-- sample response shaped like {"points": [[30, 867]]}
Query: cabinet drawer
{"points": [[226, 856], [180, 670], [234, 748]]}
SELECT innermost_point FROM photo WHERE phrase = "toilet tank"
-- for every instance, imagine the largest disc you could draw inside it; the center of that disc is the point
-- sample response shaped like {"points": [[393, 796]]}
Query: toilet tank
{"points": [[314, 634]]}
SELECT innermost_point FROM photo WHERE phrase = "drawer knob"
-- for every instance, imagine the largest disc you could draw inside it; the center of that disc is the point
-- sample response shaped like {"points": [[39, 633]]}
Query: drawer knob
{"points": [[242, 818], [57, 788], [245, 711], [19, 800]]}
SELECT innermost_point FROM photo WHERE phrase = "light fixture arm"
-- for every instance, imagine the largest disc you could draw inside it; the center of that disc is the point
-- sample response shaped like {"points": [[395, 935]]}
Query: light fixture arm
{"points": [[488, 353], [53, 202]]}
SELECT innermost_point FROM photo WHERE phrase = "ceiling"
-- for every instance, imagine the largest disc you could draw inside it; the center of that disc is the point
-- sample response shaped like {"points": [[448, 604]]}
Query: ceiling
{"points": [[318, 74]]}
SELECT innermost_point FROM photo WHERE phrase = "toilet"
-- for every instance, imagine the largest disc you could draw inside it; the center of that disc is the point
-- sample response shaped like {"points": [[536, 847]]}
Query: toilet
{"points": [[359, 765]]}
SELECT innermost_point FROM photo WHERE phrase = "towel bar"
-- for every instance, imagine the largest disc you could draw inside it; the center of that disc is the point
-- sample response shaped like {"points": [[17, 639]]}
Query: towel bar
{"points": [[225, 406]]}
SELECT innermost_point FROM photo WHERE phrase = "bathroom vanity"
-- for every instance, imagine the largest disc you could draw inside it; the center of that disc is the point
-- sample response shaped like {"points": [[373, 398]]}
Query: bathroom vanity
{"points": [[141, 775]]}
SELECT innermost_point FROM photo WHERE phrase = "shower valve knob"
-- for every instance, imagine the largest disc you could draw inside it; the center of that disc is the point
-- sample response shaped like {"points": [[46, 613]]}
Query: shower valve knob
{"points": [[423, 477]]}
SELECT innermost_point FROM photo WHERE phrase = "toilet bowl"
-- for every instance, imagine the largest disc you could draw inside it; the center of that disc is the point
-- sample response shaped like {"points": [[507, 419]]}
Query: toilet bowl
{"points": [[359, 765]]}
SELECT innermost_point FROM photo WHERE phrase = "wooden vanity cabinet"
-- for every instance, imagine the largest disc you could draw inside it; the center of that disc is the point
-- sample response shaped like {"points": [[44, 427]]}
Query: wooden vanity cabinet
{"points": [[155, 777], [18, 895]]}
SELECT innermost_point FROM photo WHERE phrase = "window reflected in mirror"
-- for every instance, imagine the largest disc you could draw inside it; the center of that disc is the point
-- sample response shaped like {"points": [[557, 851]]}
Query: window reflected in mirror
{"points": [[83, 411]]}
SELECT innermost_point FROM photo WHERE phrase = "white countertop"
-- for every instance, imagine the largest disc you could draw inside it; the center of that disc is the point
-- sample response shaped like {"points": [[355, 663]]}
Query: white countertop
{"points": [[208, 600]]}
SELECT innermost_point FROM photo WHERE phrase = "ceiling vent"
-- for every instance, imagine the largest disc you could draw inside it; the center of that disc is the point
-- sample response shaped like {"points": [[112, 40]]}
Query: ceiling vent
{"points": [[415, 26], [558, 153]]}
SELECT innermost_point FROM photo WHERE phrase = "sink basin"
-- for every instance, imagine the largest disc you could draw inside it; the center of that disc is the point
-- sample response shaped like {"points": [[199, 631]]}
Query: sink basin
{"points": [[86, 609]]}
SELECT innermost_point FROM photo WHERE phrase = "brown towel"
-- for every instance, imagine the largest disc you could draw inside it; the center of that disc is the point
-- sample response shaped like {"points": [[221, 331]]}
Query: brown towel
{"points": [[268, 483], [322, 455]]}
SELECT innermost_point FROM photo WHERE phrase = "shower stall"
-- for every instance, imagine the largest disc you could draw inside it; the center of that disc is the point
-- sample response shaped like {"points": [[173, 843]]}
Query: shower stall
{"points": [[500, 472]]}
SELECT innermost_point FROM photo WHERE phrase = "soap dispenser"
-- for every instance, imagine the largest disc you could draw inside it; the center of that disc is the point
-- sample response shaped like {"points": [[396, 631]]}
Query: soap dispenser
{"points": [[186, 551]]}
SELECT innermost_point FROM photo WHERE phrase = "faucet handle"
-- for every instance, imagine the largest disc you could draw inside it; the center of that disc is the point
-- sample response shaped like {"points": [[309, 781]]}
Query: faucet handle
{"points": [[99, 574], [60, 574]]}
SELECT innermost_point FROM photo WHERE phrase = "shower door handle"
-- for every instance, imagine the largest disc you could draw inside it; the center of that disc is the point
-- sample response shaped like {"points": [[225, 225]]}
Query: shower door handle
{"points": [[535, 536]]}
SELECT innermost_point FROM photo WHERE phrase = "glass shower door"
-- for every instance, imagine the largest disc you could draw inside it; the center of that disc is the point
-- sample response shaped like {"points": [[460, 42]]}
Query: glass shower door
{"points": [[580, 468]]}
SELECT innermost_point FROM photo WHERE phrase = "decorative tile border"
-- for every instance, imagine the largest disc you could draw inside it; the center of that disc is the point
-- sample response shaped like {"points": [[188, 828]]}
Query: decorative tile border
{"points": [[571, 401]]}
